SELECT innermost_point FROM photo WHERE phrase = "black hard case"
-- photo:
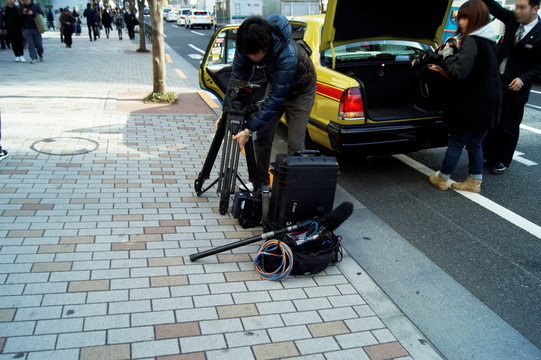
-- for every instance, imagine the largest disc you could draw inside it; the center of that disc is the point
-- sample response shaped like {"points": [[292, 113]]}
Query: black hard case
{"points": [[303, 187]]}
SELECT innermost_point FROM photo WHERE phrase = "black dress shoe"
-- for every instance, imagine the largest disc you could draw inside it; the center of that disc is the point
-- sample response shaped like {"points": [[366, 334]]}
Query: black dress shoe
{"points": [[499, 169]]}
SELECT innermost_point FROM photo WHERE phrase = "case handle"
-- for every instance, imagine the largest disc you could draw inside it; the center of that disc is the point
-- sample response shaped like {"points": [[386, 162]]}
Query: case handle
{"points": [[308, 153]]}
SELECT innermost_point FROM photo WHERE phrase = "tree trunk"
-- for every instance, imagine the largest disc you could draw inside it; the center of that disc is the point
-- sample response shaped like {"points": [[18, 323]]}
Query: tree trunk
{"points": [[142, 44], [158, 51]]}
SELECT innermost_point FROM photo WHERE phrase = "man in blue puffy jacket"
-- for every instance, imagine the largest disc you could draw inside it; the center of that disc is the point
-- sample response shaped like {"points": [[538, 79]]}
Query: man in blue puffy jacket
{"points": [[292, 85]]}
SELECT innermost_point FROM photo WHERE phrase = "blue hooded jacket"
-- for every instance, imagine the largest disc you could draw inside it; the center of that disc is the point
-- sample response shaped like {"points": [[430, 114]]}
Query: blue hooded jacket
{"points": [[280, 66]]}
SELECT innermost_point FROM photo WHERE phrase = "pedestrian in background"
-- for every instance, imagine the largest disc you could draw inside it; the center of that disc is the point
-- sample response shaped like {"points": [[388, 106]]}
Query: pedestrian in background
{"points": [[68, 20], [119, 22], [77, 25], [50, 20], [3, 153], [13, 26], [29, 11], [519, 56], [106, 21], [90, 16], [474, 103], [131, 21], [3, 39], [59, 25]]}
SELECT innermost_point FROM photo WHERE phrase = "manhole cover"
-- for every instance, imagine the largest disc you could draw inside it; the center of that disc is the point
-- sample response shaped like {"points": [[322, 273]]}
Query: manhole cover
{"points": [[65, 146]]}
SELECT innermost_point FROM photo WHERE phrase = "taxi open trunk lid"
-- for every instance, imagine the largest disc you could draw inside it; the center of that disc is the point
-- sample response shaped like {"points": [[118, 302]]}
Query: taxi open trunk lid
{"points": [[348, 21]]}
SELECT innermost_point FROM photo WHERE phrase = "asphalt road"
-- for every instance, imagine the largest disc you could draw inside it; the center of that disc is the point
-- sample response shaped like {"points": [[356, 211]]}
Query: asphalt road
{"points": [[480, 244], [189, 43], [535, 97]]}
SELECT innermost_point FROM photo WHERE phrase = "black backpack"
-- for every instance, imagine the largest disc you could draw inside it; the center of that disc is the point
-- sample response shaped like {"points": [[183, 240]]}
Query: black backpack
{"points": [[429, 82]]}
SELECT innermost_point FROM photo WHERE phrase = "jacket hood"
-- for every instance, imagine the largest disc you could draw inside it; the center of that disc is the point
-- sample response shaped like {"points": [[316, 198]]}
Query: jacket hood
{"points": [[486, 32], [281, 32]]}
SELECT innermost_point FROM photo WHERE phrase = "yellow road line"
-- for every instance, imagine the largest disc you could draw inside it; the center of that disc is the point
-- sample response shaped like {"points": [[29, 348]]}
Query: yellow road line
{"points": [[168, 58], [206, 98], [181, 74]]}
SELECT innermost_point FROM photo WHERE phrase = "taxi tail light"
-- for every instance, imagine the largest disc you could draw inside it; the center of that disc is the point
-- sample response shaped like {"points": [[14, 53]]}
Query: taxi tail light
{"points": [[351, 104]]}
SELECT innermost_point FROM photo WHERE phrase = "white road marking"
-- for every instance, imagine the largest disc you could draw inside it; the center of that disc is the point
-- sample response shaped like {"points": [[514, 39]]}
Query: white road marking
{"points": [[535, 91], [488, 204], [534, 106], [517, 157], [198, 33], [196, 48], [529, 128], [176, 26], [195, 56]]}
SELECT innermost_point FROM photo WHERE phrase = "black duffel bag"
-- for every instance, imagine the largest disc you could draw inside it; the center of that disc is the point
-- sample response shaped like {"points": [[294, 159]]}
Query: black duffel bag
{"points": [[310, 256]]}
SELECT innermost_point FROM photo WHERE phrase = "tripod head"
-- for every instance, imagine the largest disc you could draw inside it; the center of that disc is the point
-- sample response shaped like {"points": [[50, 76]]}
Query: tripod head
{"points": [[242, 94]]}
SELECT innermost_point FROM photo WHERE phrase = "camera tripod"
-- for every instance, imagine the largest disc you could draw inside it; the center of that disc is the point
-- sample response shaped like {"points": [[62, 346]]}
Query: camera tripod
{"points": [[234, 119]]}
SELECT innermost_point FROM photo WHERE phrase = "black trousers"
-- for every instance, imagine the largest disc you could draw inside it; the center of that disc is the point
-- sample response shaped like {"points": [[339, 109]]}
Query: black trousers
{"points": [[4, 41], [92, 29], [131, 32], [16, 40], [500, 143], [297, 112], [67, 37]]}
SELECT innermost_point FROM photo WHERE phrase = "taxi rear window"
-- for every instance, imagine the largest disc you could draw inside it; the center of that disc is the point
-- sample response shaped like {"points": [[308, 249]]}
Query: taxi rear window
{"points": [[396, 50], [200, 13], [297, 30]]}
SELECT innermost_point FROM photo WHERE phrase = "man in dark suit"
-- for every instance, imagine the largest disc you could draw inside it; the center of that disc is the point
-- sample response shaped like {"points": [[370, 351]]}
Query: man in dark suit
{"points": [[519, 56]]}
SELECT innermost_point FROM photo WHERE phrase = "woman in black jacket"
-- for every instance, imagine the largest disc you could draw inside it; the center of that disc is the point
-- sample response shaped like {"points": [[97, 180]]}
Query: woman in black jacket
{"points": [[474, 102], [13, 25], [106, 20]]}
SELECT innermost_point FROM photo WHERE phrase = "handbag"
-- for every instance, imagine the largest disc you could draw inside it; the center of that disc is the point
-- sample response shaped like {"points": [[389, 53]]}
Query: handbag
{"points": [[38, 19]]}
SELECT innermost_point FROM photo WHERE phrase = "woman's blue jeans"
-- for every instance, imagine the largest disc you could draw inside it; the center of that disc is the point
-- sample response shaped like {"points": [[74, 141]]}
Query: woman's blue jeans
{"points": [[473, 143]]}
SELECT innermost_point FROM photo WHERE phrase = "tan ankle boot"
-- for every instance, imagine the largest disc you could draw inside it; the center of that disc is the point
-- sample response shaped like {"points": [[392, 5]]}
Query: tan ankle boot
{"points": [[470, 185], [438, 181]]}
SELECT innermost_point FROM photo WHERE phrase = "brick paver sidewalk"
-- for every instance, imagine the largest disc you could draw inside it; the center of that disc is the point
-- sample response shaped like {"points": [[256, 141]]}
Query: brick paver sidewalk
{"points": [[98, 215]]}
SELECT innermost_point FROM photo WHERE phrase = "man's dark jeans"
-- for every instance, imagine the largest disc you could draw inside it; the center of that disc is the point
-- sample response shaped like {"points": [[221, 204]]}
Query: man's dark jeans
{"points": [[35, 45]]}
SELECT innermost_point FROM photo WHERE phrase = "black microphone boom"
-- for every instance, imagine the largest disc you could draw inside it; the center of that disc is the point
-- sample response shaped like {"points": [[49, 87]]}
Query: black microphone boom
{"points": [[329, 222], [265, 236], [335, 218]]}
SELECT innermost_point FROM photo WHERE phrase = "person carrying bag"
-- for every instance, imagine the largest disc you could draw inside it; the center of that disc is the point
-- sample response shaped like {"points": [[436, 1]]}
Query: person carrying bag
{"points": [[475, 96]]}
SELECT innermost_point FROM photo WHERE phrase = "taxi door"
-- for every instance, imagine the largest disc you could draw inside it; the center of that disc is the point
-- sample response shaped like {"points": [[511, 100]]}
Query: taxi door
{"points": [[217, 65]]}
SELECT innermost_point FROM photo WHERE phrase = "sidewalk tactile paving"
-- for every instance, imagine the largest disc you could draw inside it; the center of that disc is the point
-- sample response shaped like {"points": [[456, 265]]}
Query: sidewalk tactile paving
{"points": [[95, 247]]}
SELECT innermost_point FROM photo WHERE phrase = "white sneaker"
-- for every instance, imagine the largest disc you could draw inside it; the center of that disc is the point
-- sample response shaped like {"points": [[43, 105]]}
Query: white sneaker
{"points": [[22, 59], [17, 59]]}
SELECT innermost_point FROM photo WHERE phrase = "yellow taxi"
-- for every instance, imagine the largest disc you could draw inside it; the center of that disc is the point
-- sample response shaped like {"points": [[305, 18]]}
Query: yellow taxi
{"points": [[362, 53]]}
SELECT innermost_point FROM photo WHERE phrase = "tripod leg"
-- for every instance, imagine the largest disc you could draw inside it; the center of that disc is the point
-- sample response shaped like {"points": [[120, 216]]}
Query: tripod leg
{"points": [[251, 164], [224, 162], [211, 156], [225, 170], [235, 167]]}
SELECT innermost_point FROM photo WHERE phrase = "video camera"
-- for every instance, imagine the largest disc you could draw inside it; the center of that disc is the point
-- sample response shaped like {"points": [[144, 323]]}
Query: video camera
{"points": [[242, 94]]}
